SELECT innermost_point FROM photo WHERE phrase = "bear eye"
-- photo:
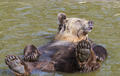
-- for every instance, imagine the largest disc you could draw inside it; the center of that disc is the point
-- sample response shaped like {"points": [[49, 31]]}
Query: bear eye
{"points": [[66, 21], [78, 20]]}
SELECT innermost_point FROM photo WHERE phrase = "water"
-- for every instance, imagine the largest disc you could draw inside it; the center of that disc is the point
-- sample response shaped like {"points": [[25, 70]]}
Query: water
{"points": [[24, 22]]}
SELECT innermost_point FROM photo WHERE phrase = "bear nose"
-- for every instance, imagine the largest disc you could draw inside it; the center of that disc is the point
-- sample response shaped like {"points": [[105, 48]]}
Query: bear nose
{"points": [[90, 28]]}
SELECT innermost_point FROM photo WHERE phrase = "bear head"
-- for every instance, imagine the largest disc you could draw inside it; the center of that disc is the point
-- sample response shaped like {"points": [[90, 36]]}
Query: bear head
{"points": [[73, 29]]}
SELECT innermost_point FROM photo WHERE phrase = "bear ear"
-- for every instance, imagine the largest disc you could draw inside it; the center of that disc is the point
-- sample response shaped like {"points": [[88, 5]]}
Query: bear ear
{"points": [[61, 17]]}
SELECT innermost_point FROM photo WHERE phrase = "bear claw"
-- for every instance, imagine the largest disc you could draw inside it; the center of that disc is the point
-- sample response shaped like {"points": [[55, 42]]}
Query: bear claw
{"points": [[31, 53], [84, 45]]}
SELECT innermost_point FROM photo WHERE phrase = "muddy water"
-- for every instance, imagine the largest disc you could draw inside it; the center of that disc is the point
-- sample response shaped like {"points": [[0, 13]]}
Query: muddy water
{"points": [[25, 22]]}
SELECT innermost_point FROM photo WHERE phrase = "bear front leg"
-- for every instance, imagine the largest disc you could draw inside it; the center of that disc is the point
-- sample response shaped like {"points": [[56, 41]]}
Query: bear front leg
{"points": [[31, 53], [17, 65]]}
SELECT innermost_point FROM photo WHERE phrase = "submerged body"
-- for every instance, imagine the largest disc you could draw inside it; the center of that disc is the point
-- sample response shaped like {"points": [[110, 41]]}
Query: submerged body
{"points": [[54, 57], [61, 56]]}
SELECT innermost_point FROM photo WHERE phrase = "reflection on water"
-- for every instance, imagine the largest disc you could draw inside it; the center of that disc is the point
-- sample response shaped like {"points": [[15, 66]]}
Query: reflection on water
{"points": [[35, 22]]}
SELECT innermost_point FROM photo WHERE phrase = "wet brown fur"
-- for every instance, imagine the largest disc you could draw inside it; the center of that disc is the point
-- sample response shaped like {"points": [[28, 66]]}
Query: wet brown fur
{"points": [[60, 54]]}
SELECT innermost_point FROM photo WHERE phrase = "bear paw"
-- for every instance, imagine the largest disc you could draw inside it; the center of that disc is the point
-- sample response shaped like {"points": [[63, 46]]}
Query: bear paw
{"points": [[15, 64], [83, 50], [31, 53]]}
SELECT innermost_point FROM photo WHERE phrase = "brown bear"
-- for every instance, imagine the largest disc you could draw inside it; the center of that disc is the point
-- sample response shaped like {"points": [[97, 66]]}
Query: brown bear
{"points": [[71, 51]]}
